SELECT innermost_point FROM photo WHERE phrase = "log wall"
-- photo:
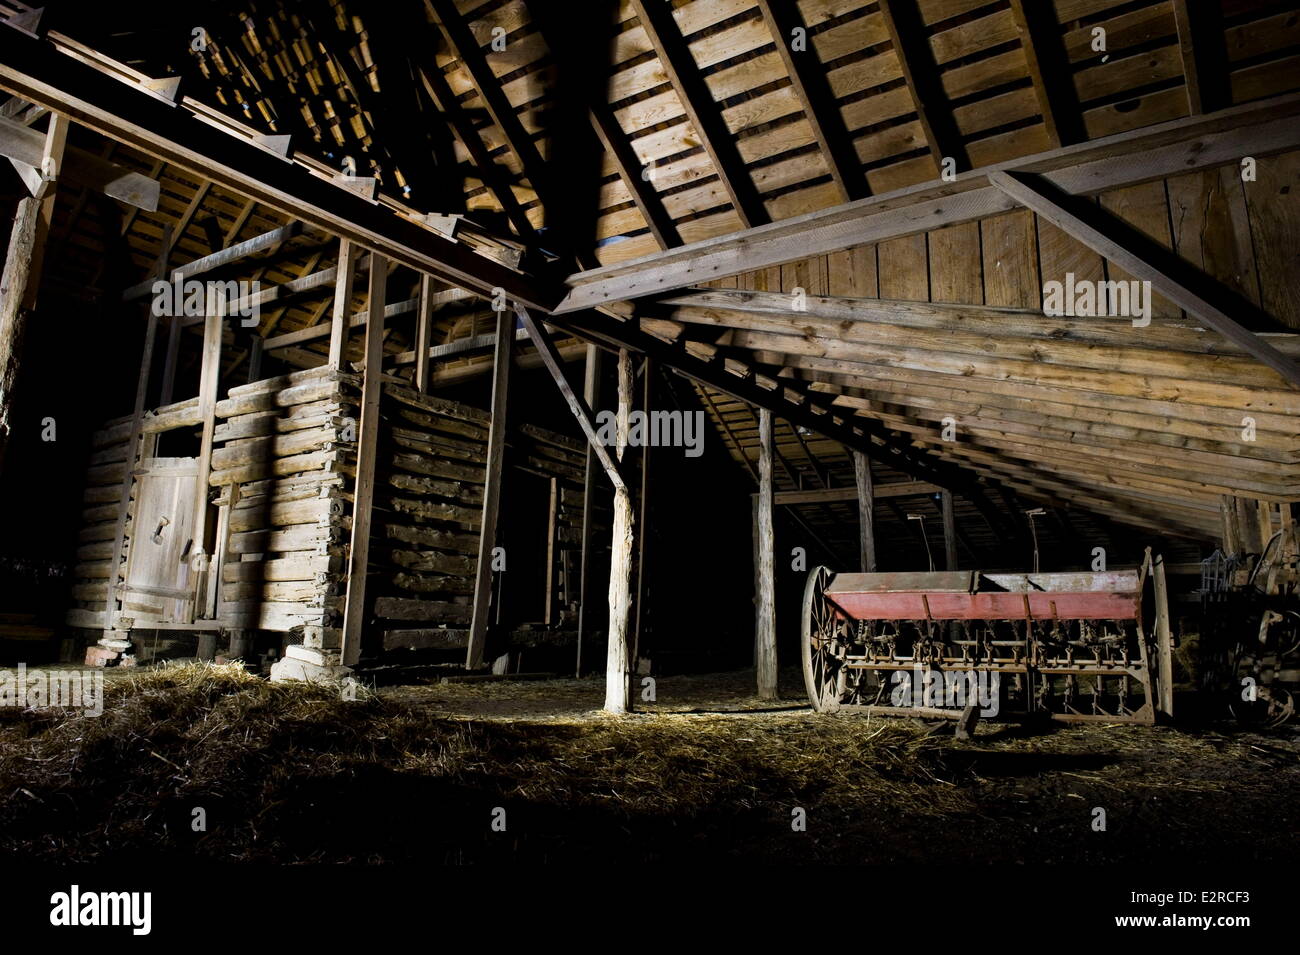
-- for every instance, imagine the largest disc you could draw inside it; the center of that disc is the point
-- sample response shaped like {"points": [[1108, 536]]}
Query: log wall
{"points": [[283, 473]]}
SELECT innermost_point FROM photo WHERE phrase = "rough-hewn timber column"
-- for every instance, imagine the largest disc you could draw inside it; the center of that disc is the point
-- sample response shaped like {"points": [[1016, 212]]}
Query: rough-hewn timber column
{"points": [[22, 271], [617, 664], [866, 511], [765, 606]]}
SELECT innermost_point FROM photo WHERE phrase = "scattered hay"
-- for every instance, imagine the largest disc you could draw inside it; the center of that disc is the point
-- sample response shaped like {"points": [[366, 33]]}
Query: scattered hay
{"points": [[292, 772]]}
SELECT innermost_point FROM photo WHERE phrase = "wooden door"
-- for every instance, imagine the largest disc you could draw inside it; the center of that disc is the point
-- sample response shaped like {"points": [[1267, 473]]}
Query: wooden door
{"points": [[159, 586]]}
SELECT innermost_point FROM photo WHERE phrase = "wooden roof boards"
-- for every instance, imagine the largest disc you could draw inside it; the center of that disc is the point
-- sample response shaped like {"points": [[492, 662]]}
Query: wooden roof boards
{"points": [[700, 120]]}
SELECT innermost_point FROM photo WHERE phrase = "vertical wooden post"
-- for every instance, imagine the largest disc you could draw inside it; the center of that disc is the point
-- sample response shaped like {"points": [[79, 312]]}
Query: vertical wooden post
{"points": [[617, 669], [1232, 545], [949, 533], [168, 390], [1164, 702], [367, 448], [21, 279], [591, 394], [132, 454], [642, 578], [13, 314], [255, 354], [866, 511], [423, 334], [343, 301], [765, 624], [215, 316], [491, 489]]}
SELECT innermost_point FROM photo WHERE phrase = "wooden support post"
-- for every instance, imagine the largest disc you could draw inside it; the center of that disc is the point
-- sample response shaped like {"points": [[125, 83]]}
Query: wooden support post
{"points": [[1164, 702], [642, 580], [866, 511], [13, 315], [474, 654], [617, 665], [241, 644], [348, 253], [256, 349], [210, 374], [591, 394], [367, 448], [132, 454], [765, 622], [424, 334], [22, 270], [949, 533]]}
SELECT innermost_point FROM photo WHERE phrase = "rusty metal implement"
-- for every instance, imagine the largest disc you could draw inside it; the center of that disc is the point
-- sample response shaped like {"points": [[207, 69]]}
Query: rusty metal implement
{"points": [[1067, 646]]}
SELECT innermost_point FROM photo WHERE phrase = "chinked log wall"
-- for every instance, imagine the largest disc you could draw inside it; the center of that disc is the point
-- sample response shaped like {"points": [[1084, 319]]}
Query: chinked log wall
{"points": [[283, 467]]}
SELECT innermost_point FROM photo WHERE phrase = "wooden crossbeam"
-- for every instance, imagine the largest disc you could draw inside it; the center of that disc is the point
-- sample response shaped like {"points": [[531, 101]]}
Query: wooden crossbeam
{"points": [[1049, 69], [1125, 159], [808, 78], [908, 34], [26, 146], [670, 46], [1101, 232], [832, 495]]}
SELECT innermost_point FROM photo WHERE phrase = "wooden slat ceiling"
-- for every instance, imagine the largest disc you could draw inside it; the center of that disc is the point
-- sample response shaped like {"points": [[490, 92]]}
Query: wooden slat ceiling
{"points": [[691, 121], [344, 78]]}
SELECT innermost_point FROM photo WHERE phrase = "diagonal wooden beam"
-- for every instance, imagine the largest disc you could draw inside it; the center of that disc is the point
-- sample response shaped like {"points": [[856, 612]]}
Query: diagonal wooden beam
{"points": [[551, 359], [670, 46], [1049, 69], [908, 34], [808, 79], [355, 601], [1204, 56], [1101, 232]]}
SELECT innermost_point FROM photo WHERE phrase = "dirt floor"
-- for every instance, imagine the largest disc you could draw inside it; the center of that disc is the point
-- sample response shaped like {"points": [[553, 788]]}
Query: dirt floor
{"points": [[420, 773]]}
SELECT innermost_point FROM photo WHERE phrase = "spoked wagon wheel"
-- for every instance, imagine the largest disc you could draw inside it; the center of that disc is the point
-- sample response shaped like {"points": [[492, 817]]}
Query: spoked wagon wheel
{"points": [[825, 633]]}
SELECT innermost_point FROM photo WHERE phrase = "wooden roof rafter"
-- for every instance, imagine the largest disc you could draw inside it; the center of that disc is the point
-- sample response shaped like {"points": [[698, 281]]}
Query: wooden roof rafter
{"points": [[808, 77], [908, 34], [665, 36], [467, 49], [569, 54], [1049, 71], [1201, 46]]}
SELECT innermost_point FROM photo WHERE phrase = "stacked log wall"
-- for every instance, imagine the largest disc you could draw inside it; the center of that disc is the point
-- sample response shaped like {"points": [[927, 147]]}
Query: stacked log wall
{"points": [[283, 463]]}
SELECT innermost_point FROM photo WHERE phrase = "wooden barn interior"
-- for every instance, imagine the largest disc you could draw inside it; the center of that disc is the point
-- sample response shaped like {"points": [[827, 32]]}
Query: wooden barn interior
{"points": [[462, 264]]}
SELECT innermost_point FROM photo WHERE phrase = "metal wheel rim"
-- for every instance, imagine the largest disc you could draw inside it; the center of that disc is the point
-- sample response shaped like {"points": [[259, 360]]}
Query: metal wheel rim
{"points": [[822, 678]]}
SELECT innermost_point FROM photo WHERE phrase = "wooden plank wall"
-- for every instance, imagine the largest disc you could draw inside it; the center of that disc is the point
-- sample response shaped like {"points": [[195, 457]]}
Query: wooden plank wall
{"points": [[1244, 234]]}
